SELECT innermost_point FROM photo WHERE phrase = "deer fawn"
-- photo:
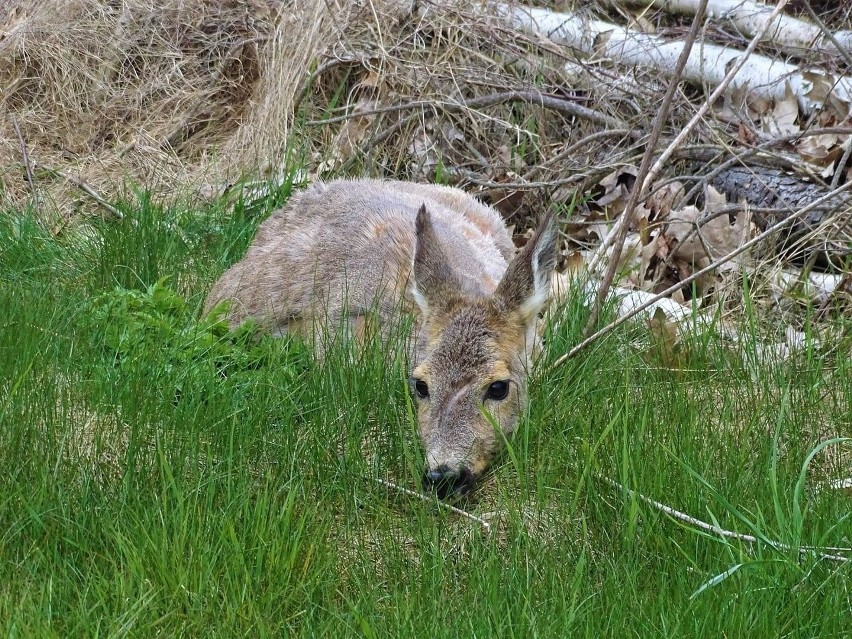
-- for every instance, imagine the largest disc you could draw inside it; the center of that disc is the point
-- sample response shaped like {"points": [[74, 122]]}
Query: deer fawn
{"points": [[354, 249]]}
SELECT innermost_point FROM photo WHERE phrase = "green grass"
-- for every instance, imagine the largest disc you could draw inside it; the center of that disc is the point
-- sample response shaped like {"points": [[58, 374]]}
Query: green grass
{"points": [[163, 476]]}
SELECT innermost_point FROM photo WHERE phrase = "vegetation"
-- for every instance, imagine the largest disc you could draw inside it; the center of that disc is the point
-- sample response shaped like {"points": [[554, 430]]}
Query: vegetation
{"points": [[164, 476]]}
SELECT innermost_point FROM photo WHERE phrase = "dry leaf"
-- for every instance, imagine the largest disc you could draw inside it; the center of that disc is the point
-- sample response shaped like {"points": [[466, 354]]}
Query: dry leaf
{"points": [[616, 189], [661, 201], [822, 150], [781, 120], [714, 238]]}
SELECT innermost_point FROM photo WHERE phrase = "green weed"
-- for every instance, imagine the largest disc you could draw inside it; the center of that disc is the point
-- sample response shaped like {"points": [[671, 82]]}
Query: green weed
{"points": [[165, 475]]}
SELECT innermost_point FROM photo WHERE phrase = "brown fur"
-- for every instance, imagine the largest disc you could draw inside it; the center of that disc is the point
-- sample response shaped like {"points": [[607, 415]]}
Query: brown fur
{"points": [[340, 250]]}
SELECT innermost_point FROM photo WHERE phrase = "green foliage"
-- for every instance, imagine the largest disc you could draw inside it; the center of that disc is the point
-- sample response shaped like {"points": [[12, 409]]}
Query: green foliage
{"points": [[155, 332], [167, 476]]}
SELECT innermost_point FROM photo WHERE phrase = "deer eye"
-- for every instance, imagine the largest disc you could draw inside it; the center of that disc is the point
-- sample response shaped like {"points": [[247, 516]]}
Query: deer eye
{"points": [[422, 388], [498, 390]]}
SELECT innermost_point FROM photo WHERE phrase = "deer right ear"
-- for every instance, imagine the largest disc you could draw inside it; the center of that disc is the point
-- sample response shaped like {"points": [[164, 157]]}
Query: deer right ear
{"points": [[433, 279]]}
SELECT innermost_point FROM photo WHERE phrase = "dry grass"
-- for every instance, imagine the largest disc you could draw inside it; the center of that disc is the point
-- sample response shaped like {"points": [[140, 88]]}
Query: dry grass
{"points": [[191, 97], [168, 95]]}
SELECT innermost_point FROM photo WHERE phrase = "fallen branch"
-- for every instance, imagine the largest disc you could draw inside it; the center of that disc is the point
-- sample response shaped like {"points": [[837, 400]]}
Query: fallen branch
{"points": [[762, 77], [530, 97], [84, 186], [434, 500], [24, 155], [749, 18], [730, 534]]}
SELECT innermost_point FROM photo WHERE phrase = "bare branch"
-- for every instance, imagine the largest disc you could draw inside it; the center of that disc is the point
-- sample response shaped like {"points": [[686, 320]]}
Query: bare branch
{"points": [[703, 525], [708, 269], [84, 186], [24, 155], [434, 500]]}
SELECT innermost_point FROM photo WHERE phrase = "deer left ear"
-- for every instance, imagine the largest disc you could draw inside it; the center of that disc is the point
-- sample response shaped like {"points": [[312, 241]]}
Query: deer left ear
{"points": [[525, 286]]}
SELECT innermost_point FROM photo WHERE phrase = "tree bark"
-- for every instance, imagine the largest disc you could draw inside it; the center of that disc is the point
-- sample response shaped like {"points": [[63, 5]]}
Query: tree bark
{"points": [[765, 188]]}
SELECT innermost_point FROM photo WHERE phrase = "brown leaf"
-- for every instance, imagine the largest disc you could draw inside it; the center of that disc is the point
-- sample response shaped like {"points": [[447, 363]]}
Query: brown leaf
{"points": [[616, 188], [715, 237], [823, 149], [661, 201], [781, 120]]}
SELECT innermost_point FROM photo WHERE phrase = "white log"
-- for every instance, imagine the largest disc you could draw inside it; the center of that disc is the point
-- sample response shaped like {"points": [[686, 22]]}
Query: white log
{"points": [[686, 320], [817, 287], [750, 17], [762, 77]]}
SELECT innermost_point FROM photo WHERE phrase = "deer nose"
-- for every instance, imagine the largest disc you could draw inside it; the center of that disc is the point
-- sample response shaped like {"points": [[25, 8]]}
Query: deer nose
{"points": [[446, 482]]}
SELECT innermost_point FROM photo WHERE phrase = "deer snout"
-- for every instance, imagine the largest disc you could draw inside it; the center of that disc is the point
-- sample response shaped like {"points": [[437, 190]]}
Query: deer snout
{"points": [[446, 482]]}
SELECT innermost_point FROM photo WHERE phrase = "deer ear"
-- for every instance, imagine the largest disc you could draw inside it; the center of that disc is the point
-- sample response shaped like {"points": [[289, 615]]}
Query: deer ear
{"points": [[434, 281], [525, 286]]}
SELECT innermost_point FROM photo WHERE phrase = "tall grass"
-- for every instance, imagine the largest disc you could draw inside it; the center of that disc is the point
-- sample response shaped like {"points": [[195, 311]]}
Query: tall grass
{"points": [[163, 476]]}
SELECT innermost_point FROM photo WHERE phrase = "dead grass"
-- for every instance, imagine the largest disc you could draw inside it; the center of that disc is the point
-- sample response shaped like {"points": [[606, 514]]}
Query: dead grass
{"points": [[191, 97], [167, 96]]}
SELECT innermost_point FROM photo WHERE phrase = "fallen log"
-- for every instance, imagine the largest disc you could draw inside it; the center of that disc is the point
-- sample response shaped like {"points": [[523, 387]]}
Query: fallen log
{"points": [[760, 77], [776, 195], [791, 34]]}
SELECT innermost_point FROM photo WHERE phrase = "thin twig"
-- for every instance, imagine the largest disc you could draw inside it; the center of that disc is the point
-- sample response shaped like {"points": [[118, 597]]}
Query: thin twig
{"points": [[325, 66], [392, 108], [564, 153], [473, 178], [679, 285], [676, 514], [847, 57], [84, 186], [841, 166], [24, 154], [619, 234], [434, 500], [429, 108]]}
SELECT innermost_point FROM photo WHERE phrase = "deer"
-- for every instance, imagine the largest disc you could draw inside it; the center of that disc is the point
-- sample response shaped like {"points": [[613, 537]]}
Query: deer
{"points": [[365, 251]]}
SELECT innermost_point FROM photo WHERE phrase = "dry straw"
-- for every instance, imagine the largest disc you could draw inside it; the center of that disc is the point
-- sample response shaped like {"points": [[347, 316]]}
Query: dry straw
{"points": [[167, 95]]}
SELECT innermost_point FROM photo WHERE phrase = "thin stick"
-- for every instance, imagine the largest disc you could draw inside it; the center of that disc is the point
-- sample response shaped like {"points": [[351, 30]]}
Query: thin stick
{"points": [[564, 153], [88, 190], [530, 97], [619, 234], [842, 166], [722, 260], [676, 514], [827, 32], [434, 500], [24, 154]]}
